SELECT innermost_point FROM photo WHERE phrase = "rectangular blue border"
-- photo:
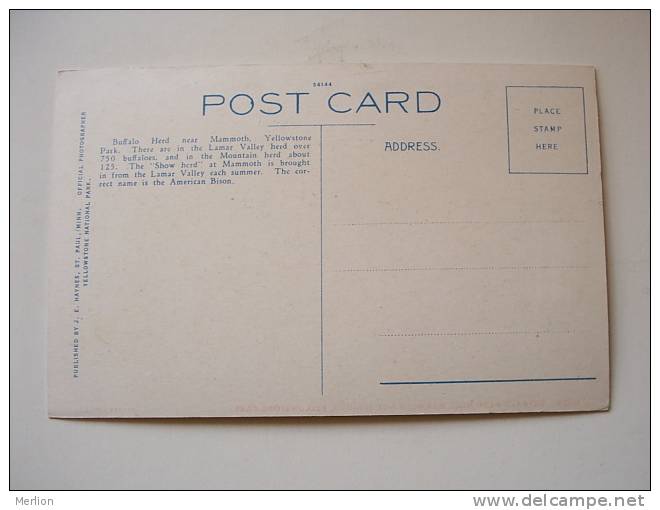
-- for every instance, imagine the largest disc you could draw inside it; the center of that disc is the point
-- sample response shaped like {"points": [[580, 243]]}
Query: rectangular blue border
{"points": [[508, 140]]}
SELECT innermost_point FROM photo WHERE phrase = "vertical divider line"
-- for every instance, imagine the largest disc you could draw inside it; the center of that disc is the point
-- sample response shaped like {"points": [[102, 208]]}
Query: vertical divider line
{"points": [[321, 223], [321, 218], [508, 133], [320, 126]]}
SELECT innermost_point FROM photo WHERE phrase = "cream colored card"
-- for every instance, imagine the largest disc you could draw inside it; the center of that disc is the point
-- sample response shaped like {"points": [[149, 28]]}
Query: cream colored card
{"points": [[327, 240]]}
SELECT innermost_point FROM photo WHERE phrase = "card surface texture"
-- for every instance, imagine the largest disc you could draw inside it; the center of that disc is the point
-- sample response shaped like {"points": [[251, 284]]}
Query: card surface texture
{"points": [[348, 239]]}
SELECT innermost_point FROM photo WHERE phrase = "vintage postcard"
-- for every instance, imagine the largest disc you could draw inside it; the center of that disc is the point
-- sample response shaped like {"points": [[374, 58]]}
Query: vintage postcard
{"points": [[326, 240]]}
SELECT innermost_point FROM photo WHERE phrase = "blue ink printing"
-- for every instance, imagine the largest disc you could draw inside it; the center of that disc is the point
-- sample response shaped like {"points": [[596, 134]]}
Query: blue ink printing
{"points": [[342, 102]]}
